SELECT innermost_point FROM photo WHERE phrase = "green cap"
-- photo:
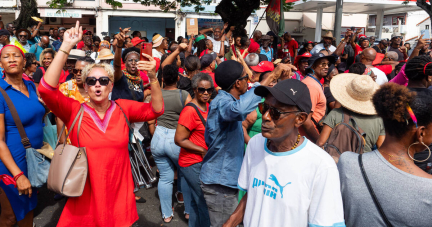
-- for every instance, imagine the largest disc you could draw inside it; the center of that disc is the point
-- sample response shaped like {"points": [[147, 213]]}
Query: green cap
{"points": [[199, 38]]}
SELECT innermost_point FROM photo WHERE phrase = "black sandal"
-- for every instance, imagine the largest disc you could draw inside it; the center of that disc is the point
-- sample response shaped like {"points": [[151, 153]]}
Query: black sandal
{"points": [[140, 200]]}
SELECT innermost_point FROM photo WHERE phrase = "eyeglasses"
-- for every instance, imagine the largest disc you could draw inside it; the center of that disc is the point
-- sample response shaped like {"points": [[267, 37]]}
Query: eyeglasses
{"points": [[325, 64], [133, 60], [76, 71], [202, 90], [244, 77], [274, 113], [35, 63], [103, 81]]}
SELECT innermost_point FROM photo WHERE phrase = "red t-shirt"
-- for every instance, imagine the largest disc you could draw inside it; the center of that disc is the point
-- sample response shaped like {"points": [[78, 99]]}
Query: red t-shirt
{"points": [[189, 118], [212, 76], [357, 50], [387, 69], [80, 45], [292, 45]]}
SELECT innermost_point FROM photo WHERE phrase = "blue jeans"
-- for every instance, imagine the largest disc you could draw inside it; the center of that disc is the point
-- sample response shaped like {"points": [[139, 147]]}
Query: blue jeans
{"points": [[199, 215], [166, 154]]}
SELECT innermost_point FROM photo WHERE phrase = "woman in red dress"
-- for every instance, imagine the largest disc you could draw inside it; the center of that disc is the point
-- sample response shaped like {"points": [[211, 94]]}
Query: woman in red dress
{"points": [[108, 198]]}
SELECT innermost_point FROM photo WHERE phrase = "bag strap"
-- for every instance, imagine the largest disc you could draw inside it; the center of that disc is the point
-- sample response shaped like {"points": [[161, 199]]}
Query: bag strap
{"points": [[372, 193], [80, 116], [199, 113], [127, 120], [24, 139], [346, 117], [181, 98]]}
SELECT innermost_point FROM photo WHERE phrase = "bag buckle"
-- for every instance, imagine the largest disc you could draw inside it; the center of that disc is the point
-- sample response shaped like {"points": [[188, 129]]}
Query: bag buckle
{"points": [[26, 142]]}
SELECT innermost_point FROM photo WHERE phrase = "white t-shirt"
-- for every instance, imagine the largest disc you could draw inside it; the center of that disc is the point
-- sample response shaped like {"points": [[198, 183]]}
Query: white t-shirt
{"points": [[156, 54], [381, 76], [216, 44], [294, 188]]}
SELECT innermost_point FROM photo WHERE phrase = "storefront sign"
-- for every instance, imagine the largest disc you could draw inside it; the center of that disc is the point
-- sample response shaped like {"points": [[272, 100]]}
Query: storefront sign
{"points": [[65, 14]]}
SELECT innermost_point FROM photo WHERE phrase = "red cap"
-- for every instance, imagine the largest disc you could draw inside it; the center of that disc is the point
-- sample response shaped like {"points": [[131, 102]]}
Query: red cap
{"points": [[253, 47], [304, 55], [361, 35], [135, 41], [263, 66], [85, 31]]}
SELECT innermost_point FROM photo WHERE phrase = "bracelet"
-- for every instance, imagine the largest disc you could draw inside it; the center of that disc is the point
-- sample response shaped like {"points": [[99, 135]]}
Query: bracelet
{"points": [[154, 82], [18, 175], [67, 53], [119, 47]]}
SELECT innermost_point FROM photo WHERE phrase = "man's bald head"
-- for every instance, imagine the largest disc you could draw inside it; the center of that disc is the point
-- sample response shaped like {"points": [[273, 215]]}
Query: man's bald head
{"points": [[257, 35], [392, 55], [368, 55]]}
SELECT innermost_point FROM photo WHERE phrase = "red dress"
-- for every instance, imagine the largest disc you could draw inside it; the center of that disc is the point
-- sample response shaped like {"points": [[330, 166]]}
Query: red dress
{"points": [[108, 199]]}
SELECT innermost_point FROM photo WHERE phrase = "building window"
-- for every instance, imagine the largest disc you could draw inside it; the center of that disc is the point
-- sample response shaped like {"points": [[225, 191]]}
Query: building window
{"points": [[427, 27], [395, 20]]}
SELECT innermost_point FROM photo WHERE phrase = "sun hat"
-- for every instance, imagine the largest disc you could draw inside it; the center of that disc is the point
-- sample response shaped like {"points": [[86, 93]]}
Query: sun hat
{"points": [[227, 73], [23, 30], [328, 34], [135, 41], [319, 56], [354, 92], [289, 92], [105, 54], [75, 54], [263, 66], [395, 35], [157, 40]]}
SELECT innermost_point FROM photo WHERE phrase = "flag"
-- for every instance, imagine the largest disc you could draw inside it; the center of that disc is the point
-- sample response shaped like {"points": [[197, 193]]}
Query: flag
{"points": [[16, 43], [275, 17]]}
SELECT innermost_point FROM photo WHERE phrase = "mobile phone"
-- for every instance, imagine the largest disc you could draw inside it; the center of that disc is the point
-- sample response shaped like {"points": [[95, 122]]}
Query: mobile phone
{"points": [[146, 48], [425, 33]]}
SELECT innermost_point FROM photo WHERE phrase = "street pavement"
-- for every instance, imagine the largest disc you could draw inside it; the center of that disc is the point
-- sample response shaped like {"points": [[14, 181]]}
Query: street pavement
{"points": [[48, 211]]}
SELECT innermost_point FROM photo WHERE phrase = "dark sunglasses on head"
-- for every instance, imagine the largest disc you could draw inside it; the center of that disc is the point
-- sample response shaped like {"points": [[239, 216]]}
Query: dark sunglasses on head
{"points": [[274, 113], [202, 90], [76, 71], [103, 81]]}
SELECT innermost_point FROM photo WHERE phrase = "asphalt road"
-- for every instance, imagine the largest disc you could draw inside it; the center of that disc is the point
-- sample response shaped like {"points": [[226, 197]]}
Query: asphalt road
{"points": [[48, 211]]}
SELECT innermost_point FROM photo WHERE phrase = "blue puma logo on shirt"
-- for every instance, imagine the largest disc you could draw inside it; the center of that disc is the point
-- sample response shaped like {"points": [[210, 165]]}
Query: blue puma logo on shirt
{"points": [[274, 179]]}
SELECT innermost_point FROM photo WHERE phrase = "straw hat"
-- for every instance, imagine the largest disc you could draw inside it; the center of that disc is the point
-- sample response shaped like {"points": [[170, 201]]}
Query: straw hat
{"points": [[75, 54], [105, 54], [354, 92], [157, 40], [328, 34]]}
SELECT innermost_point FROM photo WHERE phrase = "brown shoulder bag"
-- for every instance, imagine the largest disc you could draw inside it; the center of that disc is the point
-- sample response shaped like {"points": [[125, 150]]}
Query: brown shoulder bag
{"points": [[69, 167]]}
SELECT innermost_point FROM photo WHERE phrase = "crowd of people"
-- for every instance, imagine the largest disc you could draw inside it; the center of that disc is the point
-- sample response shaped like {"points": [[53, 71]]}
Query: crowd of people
{"points": [[260, 131]]}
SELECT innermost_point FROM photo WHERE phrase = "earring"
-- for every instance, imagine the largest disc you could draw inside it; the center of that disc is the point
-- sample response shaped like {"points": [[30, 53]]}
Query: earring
{"points": [[423, 145]]}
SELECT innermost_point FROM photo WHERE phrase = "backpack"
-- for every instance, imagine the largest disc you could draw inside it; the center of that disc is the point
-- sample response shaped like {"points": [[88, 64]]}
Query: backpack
{"points": [[345, 137]]}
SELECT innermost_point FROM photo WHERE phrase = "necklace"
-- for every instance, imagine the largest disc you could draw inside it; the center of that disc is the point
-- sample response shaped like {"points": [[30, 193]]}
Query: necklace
{"points": [[19, 87], [295, 144], [393, 158]]}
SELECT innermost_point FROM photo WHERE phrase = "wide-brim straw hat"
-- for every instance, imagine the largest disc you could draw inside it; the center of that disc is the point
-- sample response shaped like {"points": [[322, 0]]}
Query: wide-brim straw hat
{"points": [[328, 34], [354, 92], [157, 40], [105, 54]]}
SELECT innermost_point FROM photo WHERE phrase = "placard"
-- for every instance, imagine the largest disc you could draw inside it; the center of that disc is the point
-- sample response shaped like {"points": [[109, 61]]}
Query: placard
{"points": [[192, 26]]}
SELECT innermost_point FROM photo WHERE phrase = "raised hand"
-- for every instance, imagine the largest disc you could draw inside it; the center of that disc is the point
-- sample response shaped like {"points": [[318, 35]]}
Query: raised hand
{"points": [[72, 36], [283, 70], [182, 47], [359, 30], [149, 66], [121, 36], [422, 42], [225, 26]]}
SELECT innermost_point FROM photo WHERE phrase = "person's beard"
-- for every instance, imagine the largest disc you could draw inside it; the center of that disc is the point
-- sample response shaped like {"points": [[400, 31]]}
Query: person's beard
{"points": [[326, 44]]}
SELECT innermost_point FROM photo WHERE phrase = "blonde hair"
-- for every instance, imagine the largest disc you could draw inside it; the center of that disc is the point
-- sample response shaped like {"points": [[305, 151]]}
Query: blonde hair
{"points": [[108, 69], [47, 51]]}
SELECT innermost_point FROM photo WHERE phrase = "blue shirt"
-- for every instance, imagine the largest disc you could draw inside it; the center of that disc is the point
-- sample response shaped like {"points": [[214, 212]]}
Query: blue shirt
{"points": [[37, 50], [56, 44], [224, 137], [268, 54]]}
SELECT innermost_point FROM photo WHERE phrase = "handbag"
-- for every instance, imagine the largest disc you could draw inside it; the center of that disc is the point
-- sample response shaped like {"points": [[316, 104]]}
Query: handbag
{"points": [[372, 193], [37, 165], [69, 166]]}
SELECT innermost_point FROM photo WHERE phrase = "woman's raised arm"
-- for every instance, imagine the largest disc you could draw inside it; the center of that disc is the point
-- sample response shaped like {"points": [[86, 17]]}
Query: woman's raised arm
{"points": [[70, 39], [156, 93]]}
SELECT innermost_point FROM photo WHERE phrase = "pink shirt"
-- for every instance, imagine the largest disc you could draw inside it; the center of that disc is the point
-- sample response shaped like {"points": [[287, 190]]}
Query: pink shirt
{"points": [[400, 78]]}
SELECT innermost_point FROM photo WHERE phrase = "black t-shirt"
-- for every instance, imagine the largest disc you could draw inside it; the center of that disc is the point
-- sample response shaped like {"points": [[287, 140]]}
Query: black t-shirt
{"points": [[423, 93], [124, 89], [378, 50], [185, 84], [37, 76], [400, 55], [329, 98]]}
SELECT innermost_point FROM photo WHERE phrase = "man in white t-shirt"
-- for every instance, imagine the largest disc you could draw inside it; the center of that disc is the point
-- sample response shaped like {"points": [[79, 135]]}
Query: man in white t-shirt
{"points": [[289, 180], [217, 34]]}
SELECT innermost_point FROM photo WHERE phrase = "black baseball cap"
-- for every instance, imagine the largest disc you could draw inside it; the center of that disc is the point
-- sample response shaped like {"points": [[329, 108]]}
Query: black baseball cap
{"points": [[227, 73], [318, 56], [289, 92], [207, 59], [4, 32]]}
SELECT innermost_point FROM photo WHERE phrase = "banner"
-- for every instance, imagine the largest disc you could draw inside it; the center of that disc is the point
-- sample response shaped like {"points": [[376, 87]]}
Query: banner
{"points": [[192, 26], [275, 17]]}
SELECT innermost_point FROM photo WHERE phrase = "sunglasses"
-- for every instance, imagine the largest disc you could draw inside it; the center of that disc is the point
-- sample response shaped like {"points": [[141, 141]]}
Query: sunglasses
{"points": [[103, 81], [274, 113], [244, 77], [76, 71], [23, 36], [35, 63], [202, 90]]}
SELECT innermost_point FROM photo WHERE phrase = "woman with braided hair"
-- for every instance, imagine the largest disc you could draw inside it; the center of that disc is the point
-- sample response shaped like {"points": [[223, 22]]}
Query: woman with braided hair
{"points": [[400, 187], [418, 70]]}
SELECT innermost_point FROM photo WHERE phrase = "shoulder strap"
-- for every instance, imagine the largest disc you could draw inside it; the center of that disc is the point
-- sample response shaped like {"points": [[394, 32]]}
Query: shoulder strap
{"points": [[127, 120], [24, 139], [346, 117], [372, 193], [199, 113], [181, 98], [43, 70], [79, 114], [36, 47]]}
